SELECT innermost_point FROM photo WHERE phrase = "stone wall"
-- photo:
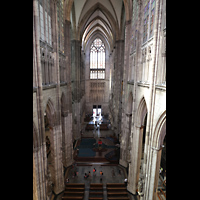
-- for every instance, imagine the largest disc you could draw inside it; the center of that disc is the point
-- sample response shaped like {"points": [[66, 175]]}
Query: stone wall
{"points": [[134, 87]]}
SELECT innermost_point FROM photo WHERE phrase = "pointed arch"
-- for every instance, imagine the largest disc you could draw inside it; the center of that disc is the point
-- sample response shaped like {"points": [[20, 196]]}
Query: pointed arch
{"points": [[130, 103], [141, 119], [68, 5], [95, 35], [51, 113], [93, 21], [141, 112], [159, 131], [155, 161], [100, 27], [105, 11]]}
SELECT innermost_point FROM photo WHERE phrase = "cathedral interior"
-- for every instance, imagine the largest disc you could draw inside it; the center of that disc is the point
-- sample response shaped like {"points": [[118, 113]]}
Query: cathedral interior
{"points": [[99, 99]]}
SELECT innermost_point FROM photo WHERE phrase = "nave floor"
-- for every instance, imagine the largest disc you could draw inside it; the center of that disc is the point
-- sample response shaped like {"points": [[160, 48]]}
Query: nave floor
{"points": [[110, 175]]}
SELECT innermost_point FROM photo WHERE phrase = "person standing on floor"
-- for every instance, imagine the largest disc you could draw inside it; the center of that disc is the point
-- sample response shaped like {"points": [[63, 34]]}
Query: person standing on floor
{"points": [[94, 172], [101, 174]]}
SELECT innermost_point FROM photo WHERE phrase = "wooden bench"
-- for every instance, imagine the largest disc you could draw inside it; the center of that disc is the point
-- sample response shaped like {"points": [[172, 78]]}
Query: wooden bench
{"points": [[116, 189], [71, 198], [75, 184], [118, 198], [74, 188], [117, 193], [96, 193], [96, 186], [115, 185], [72, 193]]}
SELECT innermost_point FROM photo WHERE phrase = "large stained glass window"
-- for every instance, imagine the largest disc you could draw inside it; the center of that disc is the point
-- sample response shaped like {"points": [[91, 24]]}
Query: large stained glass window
{"points": [[97, 59]]}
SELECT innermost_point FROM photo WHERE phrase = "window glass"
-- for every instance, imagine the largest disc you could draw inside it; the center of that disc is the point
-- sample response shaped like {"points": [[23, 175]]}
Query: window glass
{"points": [[97, 59]]}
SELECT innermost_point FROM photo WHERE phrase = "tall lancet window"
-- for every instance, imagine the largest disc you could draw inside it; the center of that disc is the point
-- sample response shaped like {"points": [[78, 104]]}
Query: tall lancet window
{"points": [[97, 59], [45, 20], [152, 17], [149, 15], [146, 19], [60, 19]]}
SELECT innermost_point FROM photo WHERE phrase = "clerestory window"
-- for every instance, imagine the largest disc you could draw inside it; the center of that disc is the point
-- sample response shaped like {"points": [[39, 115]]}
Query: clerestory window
{"points": [[97, 59], [45, 20], [60, 20], [149, 15]]}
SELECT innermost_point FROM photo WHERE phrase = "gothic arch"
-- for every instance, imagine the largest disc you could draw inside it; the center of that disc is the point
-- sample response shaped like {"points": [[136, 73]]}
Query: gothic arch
{"points": [[106, 12], [154, 161], [51, 113], [93, 20], [93, 37], [102, 28], [68, 5], [141, 112], [141, 118], [130, 103], [160, 131]]}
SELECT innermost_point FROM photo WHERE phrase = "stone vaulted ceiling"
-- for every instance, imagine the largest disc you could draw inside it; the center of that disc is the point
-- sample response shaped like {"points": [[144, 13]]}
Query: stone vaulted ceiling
{"points": [[98, 17]]}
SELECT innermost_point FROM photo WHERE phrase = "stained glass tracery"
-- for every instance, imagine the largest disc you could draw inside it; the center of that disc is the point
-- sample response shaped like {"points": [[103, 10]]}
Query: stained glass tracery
{"points": [[149, 12], [97, 59]]}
